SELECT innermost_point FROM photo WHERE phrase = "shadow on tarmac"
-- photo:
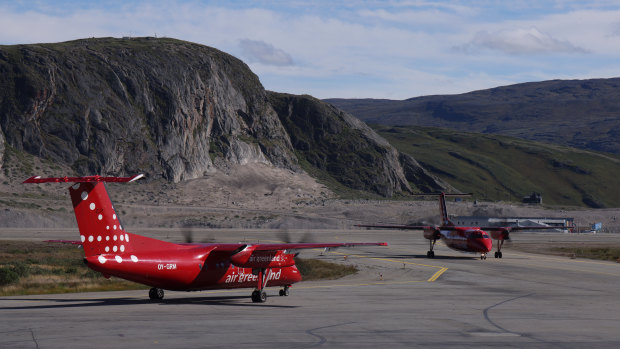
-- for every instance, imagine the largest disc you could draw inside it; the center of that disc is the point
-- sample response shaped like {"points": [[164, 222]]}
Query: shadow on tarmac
{"points": [[237, 301], [423, 256]]}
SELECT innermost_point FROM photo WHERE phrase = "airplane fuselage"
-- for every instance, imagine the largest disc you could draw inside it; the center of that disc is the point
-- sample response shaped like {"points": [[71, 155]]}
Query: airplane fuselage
{"points": [[112, 251], [193, 269], [465, 239]]}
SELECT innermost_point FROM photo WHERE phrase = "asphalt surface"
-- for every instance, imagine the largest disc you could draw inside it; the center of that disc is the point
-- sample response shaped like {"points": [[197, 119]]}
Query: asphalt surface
{"points": [[399, 299]]}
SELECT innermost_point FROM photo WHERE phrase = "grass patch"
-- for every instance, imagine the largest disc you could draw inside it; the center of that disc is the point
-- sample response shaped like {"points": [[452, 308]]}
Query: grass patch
{"points": [[601, 253], [505, 168], [314, 269], [40, 268]]}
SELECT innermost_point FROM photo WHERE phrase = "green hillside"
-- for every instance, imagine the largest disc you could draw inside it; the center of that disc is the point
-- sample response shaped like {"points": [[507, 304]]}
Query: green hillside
{"points": [[497, 167], [575, 113]]}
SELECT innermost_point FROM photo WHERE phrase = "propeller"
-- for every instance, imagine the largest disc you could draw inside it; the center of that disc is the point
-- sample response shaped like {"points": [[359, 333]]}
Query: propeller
{"points": [[188, 234], [285, 236]]}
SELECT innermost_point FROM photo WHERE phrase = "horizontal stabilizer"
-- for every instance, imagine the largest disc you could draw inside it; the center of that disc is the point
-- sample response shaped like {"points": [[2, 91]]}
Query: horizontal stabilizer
{"points": [[395, 226], [86, 179]]}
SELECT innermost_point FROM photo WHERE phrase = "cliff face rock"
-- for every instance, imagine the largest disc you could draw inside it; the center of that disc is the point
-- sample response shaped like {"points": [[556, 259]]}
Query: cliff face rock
{"points": [[176, 110], [346, 149], [123, 106]]}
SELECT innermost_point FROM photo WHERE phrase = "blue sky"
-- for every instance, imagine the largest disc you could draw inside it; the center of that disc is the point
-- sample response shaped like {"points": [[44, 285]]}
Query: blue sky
{"points": [[357, 49]]}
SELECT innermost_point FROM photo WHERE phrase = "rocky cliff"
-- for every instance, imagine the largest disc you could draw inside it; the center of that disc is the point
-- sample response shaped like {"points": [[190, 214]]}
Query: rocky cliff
{"points": [[159, 106], [335, 144], [178, 110]]}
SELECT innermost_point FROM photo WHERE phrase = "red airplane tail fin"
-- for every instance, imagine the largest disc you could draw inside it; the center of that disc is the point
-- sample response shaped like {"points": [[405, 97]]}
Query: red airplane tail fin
{"points": [[443, 212], [100, 229]]}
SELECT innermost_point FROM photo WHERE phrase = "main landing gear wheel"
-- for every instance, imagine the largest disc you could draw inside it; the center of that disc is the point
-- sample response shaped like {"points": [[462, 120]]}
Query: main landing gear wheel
{"points": [[431, 253], [284, 291], [156, 293], [500, 243], [259, 296]]}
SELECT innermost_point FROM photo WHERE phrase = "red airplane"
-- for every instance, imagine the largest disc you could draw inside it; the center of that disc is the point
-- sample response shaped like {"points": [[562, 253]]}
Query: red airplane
{"points": [[112, 251], [465, 239]]}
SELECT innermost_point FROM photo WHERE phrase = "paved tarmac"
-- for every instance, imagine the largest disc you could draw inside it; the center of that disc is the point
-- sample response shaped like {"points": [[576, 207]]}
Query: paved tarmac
{"points": [[399, 299]]}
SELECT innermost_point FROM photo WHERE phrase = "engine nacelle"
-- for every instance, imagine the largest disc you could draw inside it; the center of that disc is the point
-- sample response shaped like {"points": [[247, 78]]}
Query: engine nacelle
{"points": [[434, 234], [250, 258], [503, 234]]}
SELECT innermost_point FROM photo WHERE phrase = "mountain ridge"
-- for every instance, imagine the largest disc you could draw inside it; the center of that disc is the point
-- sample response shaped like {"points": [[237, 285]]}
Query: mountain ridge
{"points": [[578, 113]]}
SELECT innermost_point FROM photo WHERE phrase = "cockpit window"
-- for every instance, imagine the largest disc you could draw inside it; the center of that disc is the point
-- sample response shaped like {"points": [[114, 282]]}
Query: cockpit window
{"points": [[479, 235]]}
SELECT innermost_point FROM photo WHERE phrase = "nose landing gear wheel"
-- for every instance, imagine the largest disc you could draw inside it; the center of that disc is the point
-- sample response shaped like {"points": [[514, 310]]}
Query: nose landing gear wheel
{"points": [[284, 292]]}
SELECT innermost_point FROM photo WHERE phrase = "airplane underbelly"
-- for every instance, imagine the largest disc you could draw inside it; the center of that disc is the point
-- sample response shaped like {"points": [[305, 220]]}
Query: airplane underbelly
{"points": [[235, 277], [459, 245]]}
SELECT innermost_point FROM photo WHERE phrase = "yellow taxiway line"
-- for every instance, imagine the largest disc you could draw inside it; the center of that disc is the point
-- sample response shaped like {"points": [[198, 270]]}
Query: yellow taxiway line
{"points": [[431, 279], [434, 277]]}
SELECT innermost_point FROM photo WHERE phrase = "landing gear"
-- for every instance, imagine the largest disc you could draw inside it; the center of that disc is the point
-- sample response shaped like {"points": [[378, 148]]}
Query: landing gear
{"points": [[500, 243], [284, 291], [483, 256], [156, 293], [259, 296], [431, 253]]}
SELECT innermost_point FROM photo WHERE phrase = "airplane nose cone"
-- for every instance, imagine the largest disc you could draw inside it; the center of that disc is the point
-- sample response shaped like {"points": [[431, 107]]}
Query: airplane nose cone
{"points": [[488, 244], [483, 245]]}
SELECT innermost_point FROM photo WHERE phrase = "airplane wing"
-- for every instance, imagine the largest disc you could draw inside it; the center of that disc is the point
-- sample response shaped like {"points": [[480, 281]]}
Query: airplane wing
{"points": [[235, 248], [301, 246], [503, 233], [394, 226], [524, 228], [411, 227]]}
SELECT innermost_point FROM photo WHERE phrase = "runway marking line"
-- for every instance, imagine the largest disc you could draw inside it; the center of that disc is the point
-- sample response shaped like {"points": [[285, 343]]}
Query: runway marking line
{"points": [[431, 279]]}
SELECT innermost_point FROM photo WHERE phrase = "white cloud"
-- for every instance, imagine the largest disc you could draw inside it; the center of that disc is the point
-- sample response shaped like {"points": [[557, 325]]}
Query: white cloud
{"points": [[518, 42], [262, 52], [393, 49]]}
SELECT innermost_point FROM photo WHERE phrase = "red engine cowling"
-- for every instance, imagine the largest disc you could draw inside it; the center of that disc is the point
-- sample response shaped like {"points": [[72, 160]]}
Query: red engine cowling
{"points": [[250, 258], [503, 234], [434, 234]]}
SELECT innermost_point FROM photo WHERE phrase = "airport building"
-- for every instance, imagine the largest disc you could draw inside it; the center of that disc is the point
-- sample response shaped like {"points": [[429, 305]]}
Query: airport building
{"points": [[483, 221]]}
